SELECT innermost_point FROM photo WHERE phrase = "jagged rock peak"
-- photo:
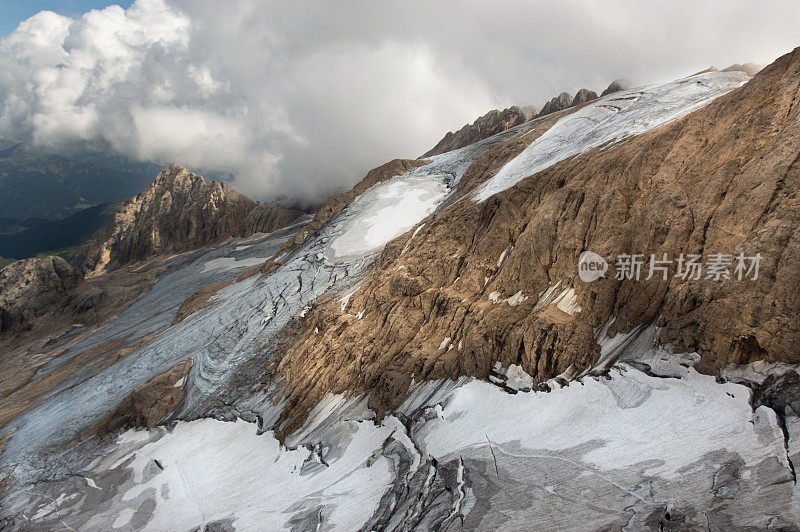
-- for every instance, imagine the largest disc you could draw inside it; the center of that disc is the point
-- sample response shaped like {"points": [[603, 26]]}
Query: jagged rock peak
{"points": [[565, 101], [583, 96], [179, 211], [484, 127], [559, 103], [176, 175], [616, 86]]}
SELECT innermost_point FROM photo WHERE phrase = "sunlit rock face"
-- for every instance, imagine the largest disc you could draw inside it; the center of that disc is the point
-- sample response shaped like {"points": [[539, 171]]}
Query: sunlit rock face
{"points": [[179, 211]]}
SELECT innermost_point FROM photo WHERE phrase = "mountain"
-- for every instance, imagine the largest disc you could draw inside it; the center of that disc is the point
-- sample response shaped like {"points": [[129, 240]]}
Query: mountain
{"points": [[565, 101], [587, 319], [484, 127], [583, 96], [37, 184], [616, 86], [179, 211], [30, 288], [495, 121], [498, 276], [558, 103], [70, 236]]}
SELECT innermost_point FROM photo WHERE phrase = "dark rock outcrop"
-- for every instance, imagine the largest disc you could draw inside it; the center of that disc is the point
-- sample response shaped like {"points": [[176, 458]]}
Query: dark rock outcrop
{"points": [[149, 404], [616, 86], [266, 218], [559, 103], [484, 127], [178, 212], [583, 96], [31, 288]]}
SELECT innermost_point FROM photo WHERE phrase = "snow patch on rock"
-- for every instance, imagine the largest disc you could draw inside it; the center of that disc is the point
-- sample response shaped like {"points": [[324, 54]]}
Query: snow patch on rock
{"points": [[386, 211]]}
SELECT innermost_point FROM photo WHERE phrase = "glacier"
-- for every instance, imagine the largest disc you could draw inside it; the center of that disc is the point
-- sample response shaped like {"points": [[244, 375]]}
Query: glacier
{"points": [[642, 440], [612, 119]]}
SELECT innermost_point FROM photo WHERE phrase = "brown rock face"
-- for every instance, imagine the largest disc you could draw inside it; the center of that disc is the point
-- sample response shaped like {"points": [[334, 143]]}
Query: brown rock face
{"points": [[583, 96], [150, 403], [31, 288], [178, 212], [266, 218], [559, 103], [616, 86], [484, 127], [724, 179]]}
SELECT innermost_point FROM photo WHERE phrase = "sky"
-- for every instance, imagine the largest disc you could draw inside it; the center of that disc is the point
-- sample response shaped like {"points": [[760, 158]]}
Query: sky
{"points": [[12, 12], [301, 99]]}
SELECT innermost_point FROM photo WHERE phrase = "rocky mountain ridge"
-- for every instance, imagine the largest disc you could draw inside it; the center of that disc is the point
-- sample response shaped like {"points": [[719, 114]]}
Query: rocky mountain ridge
{"points": [[484, 127], [178, 212], [496, 121], [484, 276], [31, 288], [425, 354]]}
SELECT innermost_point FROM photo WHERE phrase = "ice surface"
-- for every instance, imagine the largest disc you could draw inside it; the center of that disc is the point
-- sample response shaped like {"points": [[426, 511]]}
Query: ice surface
{"points": [[186, 274], [232, 263], [567, 301], [512, 301], [757, 371], [233, 339], [209, 471], [609, 119], [385, 212], [609, 451], [695, 415]]}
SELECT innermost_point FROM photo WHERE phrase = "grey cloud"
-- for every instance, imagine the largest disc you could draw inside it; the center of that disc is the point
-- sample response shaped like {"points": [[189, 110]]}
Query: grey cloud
{"points": [[301, 99]]}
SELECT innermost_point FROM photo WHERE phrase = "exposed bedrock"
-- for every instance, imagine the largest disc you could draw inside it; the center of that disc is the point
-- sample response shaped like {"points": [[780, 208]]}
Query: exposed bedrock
{"points": [[33, 288], [484, 127], [496, 280], [178, 212], [150, 403], [266, 218]]}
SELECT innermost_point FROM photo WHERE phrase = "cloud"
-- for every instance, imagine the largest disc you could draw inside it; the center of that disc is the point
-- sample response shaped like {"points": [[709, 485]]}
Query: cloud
{"points": [[302, 99]]}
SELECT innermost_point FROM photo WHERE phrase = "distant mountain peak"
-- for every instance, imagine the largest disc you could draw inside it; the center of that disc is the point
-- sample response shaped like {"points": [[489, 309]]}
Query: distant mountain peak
{"points": [[180, 210], [484, 127]]}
